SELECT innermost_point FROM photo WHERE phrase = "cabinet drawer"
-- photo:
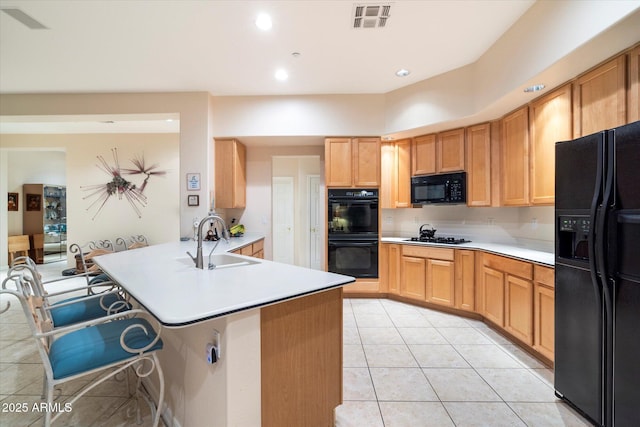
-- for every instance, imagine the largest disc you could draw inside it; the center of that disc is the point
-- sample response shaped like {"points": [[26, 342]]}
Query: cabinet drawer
{"points": [[517, 268], [544, 275], [247, 250], [423, 252], [258, 246]]}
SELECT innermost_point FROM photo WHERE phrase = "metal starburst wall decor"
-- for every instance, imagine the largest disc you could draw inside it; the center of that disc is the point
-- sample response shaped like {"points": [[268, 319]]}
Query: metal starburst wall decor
{"points": [[119, 186]]}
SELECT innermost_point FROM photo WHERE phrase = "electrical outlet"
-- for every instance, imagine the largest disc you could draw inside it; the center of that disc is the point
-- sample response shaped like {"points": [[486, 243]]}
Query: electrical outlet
{"points": [[534, 223], [491, 221], [416, 220]]}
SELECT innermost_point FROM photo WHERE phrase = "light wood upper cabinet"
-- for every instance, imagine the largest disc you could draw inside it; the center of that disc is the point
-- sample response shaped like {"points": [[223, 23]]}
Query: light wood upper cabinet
{"points": [[450, 151], [366, 162], [352, 162], [633, 98], [550, 122], [479, 165], [439, 153], [338, 162], [423, 155], [395, 176], [465, 280], [599, 98], [544, 311], [515, 159], [230, 174]]}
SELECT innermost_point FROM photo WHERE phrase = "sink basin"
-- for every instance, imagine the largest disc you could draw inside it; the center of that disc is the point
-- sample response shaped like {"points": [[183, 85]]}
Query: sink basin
{"points": [[220, 261]]}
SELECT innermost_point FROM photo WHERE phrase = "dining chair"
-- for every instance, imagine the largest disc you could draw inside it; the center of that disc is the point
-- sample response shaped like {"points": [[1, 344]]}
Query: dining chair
{"points": [[106, 345]]}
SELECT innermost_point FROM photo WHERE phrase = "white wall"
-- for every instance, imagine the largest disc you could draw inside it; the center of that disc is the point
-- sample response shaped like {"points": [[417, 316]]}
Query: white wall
{"points": [[160, 217], [531, 227]]}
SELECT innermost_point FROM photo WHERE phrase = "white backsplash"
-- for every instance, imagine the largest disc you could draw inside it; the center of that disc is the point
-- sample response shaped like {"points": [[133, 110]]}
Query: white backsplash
{"points": [[529, 227]]}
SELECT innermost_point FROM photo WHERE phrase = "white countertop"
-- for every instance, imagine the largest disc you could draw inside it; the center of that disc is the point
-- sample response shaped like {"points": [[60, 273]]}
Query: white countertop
{"points": [[540, 257], [165, 281]]}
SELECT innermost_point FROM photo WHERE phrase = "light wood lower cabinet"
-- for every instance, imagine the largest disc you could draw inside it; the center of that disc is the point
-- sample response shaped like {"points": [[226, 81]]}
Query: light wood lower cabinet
{"points": [[413, 279], [465, 293], [440, 282], [255, 250], [428, 274], [544, 311], [493, 297], [393, 269], [519, 308]]}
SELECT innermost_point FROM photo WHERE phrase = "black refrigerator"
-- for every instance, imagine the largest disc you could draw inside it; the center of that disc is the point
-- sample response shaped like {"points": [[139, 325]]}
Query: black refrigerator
{"points": [[597, 285]]}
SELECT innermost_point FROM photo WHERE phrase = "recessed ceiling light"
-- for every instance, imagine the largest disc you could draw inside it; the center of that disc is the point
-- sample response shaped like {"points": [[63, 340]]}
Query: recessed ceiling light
{"points": [[534, 88], [403, 72], [263, 21], [281, 75]]}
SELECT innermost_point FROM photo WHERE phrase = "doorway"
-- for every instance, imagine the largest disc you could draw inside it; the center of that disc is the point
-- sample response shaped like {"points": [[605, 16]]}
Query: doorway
{"points": [[297, 211]]}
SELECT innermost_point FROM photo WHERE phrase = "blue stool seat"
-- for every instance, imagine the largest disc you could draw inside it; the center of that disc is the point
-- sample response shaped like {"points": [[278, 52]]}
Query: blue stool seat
{"points": [[96, 346], [83, 310]]}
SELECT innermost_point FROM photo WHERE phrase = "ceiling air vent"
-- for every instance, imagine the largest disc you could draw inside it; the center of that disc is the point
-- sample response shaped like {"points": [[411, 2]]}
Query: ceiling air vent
{"points": [[371, 15]]}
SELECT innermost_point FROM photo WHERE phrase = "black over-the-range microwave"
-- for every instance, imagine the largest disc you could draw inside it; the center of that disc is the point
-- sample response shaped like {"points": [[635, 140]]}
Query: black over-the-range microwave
{"points": [[450, 188]]}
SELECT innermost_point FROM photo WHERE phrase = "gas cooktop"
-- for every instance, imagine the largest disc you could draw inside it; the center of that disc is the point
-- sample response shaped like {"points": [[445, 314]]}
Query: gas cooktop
{"points": [[441, 240]]}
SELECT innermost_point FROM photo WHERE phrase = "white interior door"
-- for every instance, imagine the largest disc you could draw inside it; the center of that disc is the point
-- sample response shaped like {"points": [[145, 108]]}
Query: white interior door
{"points": [[315, 235], [283, 220]]}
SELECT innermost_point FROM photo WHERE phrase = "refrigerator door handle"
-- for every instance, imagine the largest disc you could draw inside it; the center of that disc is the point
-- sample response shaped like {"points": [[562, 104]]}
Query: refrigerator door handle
{"points": [[593, 217]]}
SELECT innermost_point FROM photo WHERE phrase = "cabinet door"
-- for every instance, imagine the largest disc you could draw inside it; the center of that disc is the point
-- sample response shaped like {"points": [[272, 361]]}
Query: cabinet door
{"points": [[230, 174], [393, 269], [423, 155], [413, 275], [464, 285], [395, 174], [450, 151], [599, 98], [550, 118], [479, 165], [515, 159], [387, 175], [633, 97], [366, 162], [338, 162], [493, 287], [519, 308], [440, 282], [403, 174], [543, 320]]}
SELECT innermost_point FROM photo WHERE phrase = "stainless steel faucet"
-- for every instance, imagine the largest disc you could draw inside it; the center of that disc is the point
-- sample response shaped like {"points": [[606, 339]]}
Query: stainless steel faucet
{"points": [[198, 259]]}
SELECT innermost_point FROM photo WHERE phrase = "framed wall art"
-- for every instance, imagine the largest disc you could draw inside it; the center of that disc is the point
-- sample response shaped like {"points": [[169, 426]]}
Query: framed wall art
{"points": [[12, 202], [34, 202], [193, 181], [193, 200]]}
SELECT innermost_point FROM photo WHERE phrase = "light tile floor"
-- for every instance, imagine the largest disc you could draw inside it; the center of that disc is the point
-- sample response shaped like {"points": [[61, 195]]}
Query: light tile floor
{"points": [[403, 366], [407, 366]]}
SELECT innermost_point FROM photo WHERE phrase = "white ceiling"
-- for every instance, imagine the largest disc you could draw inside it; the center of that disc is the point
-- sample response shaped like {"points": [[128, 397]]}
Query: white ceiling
{"points": [[214, 46]]}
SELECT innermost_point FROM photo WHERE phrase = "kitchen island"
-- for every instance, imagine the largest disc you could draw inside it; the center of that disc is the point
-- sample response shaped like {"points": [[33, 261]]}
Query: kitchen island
{"points": [[279, 326]]}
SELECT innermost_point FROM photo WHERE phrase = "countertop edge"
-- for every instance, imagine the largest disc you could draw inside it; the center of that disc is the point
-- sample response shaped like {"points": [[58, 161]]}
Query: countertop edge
{"points": [[546, 259]]}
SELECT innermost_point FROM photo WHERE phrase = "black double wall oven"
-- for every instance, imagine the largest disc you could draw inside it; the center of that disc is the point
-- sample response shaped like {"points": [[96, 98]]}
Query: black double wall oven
{"points": [[353, 232]]}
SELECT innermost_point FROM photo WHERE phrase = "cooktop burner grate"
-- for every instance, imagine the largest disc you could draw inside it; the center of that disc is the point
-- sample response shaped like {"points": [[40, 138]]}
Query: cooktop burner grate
{"points": [[443, 240]]}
